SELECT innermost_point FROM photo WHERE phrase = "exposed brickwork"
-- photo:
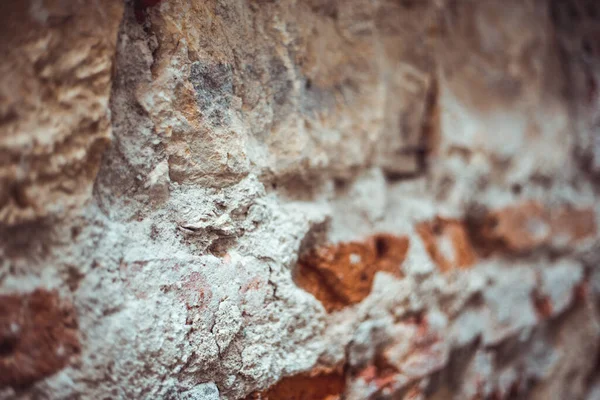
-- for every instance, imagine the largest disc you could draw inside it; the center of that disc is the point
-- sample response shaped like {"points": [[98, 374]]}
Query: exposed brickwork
{"points": [[38, 337], [342, 274], [308, 386], [246, 136], [525, 227], [574, 224], [448, 244], [514, 229]]}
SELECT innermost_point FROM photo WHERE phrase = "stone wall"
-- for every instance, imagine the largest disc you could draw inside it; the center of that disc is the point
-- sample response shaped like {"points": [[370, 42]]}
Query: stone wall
{"points": [[316, 199]]}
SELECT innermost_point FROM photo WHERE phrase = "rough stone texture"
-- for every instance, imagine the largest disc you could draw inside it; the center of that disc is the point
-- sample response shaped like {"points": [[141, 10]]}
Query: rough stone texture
{"points": [[54, 115], [388, 199]]}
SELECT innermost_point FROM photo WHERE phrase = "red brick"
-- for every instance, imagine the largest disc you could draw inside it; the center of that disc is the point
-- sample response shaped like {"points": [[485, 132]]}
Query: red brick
{"points": [[317, 385], [38, 337], [454, 232], [341, 275]]}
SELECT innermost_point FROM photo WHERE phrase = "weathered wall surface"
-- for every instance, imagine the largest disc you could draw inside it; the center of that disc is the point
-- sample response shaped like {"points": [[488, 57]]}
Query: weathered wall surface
{"points": [[223, 199]]}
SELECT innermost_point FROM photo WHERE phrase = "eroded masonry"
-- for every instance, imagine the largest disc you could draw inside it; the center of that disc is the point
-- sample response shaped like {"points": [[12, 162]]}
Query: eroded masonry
{"points": [[300, 200]]}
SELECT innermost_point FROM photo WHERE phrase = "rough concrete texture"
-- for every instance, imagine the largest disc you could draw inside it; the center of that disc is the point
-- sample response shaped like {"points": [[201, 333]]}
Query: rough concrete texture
{"points": [[225, 199]]}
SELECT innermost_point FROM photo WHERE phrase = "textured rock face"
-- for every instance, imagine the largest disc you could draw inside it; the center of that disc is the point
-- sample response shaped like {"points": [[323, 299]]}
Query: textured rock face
{"points": [[54, 115], [299, 200]]}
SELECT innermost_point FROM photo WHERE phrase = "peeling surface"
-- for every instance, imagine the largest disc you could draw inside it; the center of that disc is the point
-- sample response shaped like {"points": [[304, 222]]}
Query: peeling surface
{"points": [[310, 200]]}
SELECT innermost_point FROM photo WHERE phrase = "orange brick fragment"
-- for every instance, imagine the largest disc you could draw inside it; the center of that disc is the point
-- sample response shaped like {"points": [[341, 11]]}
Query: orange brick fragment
{"points": [[448, 243], [38, 336], [341, 275], [307, 386], [514, 229], [527, 226], [574, 224]]}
